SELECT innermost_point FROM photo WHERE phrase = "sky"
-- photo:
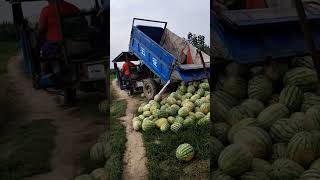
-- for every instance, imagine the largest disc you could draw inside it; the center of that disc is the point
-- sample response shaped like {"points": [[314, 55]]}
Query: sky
{"points": [[182, 17]]}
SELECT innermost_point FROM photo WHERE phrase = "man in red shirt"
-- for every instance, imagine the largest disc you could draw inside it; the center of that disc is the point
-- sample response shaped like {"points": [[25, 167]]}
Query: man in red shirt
{"points": [[126, 68], [49, 24]]}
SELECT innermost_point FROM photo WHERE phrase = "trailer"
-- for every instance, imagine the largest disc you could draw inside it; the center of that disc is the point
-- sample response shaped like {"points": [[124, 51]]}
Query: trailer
{"points": [[162, 59]]}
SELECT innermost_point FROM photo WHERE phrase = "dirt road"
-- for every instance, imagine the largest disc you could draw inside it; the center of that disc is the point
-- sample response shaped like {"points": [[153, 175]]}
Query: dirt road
{"points": [[135, 156], [74, 134]]}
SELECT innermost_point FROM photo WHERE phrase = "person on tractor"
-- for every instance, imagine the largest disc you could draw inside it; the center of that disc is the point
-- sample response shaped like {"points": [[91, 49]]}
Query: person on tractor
{"points": [[126, 69], [48, 24]]}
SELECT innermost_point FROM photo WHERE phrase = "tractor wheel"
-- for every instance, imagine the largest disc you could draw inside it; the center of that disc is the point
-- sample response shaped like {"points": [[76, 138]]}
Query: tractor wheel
{"points": [[150, 88]]}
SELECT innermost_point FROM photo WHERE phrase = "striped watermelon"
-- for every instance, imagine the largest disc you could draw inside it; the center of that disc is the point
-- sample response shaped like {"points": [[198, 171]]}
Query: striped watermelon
{"points": [[216, 147], [285, 169], [274, 99], [312, 120], [238, 113], [253, 105], [306, 61], [309, 100], [175, 127], [261, 165], [316, 136], [136, 125], [147, 125], [304, 78], [272, 113], [99, 174], [284, 129], [204, 122], [220, 130], [279, 150], [299, 116], [315, 164], [292, 97], [243, 123], [255, 139], [222, 96], [185, 152], [302, 148], [165, 127], [236, 86], [219, 175], [260, 88], [235, 160], [97, 152], [310, 174], [254, 175], [275, 70]]}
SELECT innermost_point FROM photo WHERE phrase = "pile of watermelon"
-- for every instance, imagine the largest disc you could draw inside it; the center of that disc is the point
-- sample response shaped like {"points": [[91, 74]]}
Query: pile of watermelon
{"points": [[188, 106], [266, 121]]}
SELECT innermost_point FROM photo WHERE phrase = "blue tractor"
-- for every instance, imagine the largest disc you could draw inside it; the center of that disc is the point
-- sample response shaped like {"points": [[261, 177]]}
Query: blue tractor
{"points": [[82, 65]]}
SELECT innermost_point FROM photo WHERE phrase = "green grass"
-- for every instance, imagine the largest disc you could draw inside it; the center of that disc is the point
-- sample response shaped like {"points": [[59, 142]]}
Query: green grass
{"points": [[161, 148], [118, 139], [25, 148]]}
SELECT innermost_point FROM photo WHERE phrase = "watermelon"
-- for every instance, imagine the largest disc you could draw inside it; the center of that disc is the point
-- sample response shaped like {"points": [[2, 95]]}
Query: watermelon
{"points": [[235, 160], [261, 165], [183, 112], [254, 175], [157, 98], [292, 97], [304, 78], [238, 113], [216, 147], [162, 114], [279, 150], [302, 148], [99, 174], [146, 113], [146, 107], [260, 88], [185, 152], [84, 177], [147, 125], [171, 111], [204, 86], [136, 125], [165, 127], [236, 86], [200, 92], [310, 174], [253, 105], [220, 130], [203, 121], [160, 122], [179, 119], [271, 114], [189, 121], [306, 61], [205, 108], [97, 152], [284, 129], [194, 97], [243, 123], [309, 100], [175, 127], [283, 169], [219, 175], [312, 120], [275, 70], [171, 119], [199, 115], [255, 139], [315, 164]]}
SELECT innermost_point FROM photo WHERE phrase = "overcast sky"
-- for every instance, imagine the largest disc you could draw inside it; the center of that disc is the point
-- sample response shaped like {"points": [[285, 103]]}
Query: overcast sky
{"points": [[182, 17]]}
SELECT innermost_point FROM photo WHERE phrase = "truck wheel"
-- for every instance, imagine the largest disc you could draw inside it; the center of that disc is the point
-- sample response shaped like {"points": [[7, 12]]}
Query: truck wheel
{"points": [[150, 88]]}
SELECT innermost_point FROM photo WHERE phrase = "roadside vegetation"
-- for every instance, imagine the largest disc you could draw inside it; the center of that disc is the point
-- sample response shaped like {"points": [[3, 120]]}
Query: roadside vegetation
{"points": [[25, 144]]}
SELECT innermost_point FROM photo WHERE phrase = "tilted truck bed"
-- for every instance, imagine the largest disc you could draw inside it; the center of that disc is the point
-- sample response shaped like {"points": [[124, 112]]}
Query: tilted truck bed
{"points": [[148, 44]]}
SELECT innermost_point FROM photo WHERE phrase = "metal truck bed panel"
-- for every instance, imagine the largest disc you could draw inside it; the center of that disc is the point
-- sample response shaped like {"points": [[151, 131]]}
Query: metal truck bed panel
{"points": [[258, 41], [144, 43]]}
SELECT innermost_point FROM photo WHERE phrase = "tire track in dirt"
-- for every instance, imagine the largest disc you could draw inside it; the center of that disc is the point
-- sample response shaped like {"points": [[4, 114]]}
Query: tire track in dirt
{"points": [[134, 159], [74, 135]]}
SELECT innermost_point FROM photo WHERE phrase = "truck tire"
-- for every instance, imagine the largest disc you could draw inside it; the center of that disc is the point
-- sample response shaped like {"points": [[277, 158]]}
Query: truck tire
{"points": [[150, 88]]}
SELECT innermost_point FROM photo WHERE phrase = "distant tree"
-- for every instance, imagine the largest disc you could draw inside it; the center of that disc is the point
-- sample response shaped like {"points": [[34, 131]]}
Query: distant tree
{"points": [[199, 42]]}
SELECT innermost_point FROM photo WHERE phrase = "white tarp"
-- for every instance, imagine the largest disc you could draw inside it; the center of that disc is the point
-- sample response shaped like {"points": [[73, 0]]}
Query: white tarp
{"points": [[178, 47]]}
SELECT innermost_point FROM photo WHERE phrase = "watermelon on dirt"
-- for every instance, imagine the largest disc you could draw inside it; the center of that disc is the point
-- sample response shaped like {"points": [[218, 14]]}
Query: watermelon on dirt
{"points": [[185, 152]]}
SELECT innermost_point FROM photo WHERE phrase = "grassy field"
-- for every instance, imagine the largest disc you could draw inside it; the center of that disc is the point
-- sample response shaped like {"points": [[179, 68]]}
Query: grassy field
{"points": [[25, 144], [114, 165], [161, 148]]}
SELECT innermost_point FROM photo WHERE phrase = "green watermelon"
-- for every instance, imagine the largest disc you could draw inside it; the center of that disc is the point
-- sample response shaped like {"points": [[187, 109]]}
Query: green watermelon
{"points": [[189, 121], [304, 78], [165, 127], [261, 165], [309, 100], [136, 125], [271, 114], [253, 105], [310, 174], [315, 164], [285, 169], [204, 86], [255, 139], [183, 112], [199, 115], [162, 114], [279, 150], [292, 97], [185, 152], [237, 113], [216, 147], [306, 61], [179, 119], [235, 160], [175, 127], [284, 129], [220, 130], [302, 148], [97, 152], [171, 111], [312, 120], [236, 86], [204, 121], [171, 119], [260, 88], [205, 108], [160, 121], [146, 107], [147, 125], [239, 125]]}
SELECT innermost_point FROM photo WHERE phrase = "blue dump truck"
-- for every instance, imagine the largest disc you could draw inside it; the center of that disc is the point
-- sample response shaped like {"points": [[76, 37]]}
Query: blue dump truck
{"points": [[161, 57]]}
